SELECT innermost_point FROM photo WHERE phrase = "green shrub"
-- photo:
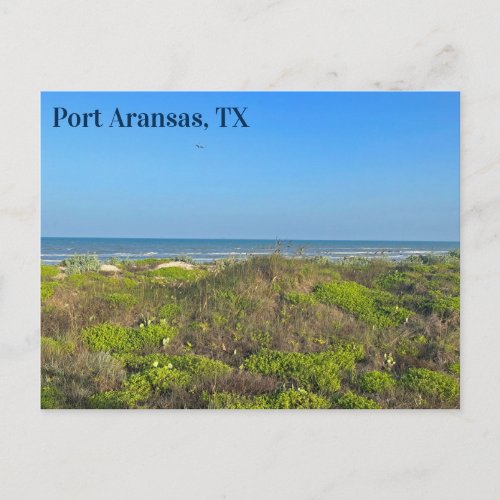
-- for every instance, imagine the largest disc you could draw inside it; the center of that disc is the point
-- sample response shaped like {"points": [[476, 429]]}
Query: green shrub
{"points": [[376, 382], [297, 298], [192, 364], [444, 304], [432, 302], [176, 274], [157, 374], [47, 289], [353, 401], [394, 281], [375, 307], [263, 339], [118, 299], [136, 389], [149, 262], [55, 347], [314, 371], [411, 346], [298, 399], [84, 280], [225, 400], [81, 264], [113, 338], [129, 283], [454, 368], [50, 398], [291, 399], [426, 289], [108, 400], [441, 386], [170, 311], [200, 366], [452, 257], [47, 272], [163, 378], [141, 386]]}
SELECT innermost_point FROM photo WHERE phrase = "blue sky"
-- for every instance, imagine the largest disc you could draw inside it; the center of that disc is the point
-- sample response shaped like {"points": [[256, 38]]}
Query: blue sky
{"points": [[312, 165]]}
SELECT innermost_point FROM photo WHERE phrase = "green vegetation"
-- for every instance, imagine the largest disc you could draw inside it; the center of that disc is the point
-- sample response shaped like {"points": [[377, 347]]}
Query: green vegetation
{"points": [[261, 333], [47, 272], [431, 384], [296, 399], [376, 382], [47, 289], [321, 371], [375, 307], [175, 274], [50, 398], [297, 298], [353, 401], [114, 338], [81, 264], [56, 347], [170, 311], [119, 299]]}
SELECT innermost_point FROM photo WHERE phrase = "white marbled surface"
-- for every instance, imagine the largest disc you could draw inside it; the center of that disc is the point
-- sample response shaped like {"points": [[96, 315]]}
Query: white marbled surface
{"points": [[255, 45]]}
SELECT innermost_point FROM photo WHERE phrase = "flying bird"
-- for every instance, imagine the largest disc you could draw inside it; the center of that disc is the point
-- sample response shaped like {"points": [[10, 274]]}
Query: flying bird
{"points": [[199, 146]]}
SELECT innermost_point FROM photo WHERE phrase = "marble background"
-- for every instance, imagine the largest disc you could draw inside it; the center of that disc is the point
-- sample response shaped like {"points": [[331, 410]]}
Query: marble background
{"points": [[257, 45]]}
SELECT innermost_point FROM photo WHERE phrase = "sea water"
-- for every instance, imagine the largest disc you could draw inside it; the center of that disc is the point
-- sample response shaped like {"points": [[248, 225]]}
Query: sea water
{"points": [[206, 250]]}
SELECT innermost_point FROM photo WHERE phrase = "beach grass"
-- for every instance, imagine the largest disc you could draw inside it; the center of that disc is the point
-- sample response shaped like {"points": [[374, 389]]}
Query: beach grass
{"points": [[265, 332]]}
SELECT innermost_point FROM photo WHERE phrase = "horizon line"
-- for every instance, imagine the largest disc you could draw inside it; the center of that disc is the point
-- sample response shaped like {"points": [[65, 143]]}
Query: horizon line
{"points": [[246, 239]]}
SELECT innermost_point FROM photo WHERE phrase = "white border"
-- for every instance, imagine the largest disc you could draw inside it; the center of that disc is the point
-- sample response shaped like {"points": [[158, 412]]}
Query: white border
{"points": [[239, 45]]}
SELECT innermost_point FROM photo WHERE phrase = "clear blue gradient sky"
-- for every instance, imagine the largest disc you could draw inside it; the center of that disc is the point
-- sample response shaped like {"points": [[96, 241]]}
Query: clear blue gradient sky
{"points": [[312, 165]]}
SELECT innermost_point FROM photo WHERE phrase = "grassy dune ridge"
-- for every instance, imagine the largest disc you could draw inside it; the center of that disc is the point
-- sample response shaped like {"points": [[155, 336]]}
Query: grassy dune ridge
{"points": [[265, 332]]}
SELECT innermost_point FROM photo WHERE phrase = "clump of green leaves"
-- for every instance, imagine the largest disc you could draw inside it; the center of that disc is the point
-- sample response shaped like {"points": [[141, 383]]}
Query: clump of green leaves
{"points": [[299, 399], [139, 387], [47, 289], [193, 364], [441, 386], [454, 368], [170, 311], [226, 400], [109, 400], [313, 371], [444, 304], [376, 382], [375, 307], [176, 274], [425, 288], [47, 272], [54, 347], [297, 298], [112, 338], [118, 299], [84, 280], [50, 398], [352, 401], [291, 399], [412, 346], [81, 264], [157, 374]]}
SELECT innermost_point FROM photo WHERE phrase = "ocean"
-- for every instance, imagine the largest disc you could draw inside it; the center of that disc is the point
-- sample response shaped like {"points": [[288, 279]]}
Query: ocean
{"points": [[206, 250]]}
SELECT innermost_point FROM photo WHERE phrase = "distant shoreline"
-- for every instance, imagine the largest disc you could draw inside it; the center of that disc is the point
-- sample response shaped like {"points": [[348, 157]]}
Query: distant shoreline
{"points": [[207, 250]]}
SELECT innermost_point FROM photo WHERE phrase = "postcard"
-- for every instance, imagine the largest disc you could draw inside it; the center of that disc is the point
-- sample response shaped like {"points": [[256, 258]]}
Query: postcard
{"points": [[250, 250]]}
